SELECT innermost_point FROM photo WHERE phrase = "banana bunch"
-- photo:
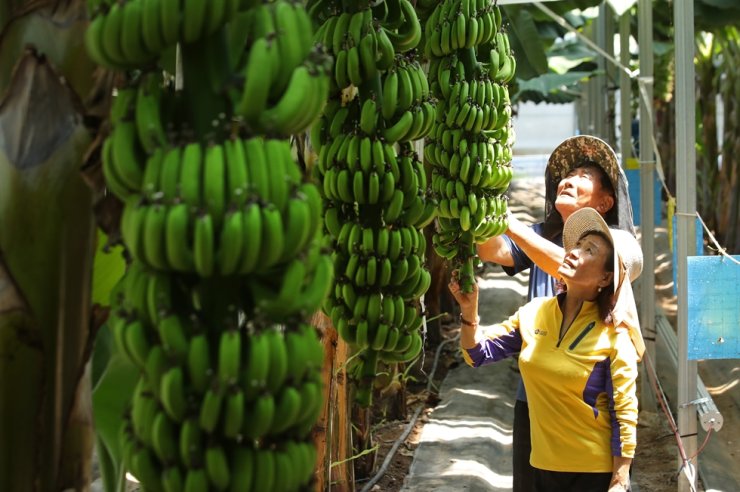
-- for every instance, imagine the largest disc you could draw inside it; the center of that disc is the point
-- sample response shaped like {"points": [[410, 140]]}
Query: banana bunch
{"points": [[407, 106], [379, 267], [129, 34], [473, 106], [501, 62], [299, 289], [223, 232], [470, 146], [139, 129], [460, 24], [205, 393], [405, 112], [366, 41], [234, 208], [367, 171], [374, 185], [285, 81]]}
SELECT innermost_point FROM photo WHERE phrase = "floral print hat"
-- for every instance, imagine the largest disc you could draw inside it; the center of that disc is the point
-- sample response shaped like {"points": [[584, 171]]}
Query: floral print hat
{"points": [[583, 150]]}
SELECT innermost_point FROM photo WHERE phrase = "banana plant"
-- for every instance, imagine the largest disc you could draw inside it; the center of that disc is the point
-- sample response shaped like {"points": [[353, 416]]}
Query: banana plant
{"points": [[549, 68], [47, 236]]}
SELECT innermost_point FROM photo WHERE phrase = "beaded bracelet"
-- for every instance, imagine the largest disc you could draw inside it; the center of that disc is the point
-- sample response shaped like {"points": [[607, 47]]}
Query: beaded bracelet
{"points": [[466, 322]]}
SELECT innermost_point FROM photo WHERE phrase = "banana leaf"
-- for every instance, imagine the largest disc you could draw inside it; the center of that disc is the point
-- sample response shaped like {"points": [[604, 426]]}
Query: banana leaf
{"points": [[113, 376], [46, 248], [526, 44], [46, 236], [110, 396], [552, 87]]}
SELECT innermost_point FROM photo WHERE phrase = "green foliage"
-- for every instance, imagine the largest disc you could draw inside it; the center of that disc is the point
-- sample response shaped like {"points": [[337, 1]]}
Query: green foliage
{"points": [[711, 15], [569, 54], [114, 379], [108, 268], [527, 44], [552, 87]]}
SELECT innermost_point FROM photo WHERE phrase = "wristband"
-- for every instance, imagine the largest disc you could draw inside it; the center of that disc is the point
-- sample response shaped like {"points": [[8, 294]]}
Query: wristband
{"points": [[468, 323]]}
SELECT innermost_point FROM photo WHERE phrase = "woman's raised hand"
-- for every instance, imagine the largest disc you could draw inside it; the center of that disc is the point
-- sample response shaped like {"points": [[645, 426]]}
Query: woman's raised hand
{"points": [[468, 301]]}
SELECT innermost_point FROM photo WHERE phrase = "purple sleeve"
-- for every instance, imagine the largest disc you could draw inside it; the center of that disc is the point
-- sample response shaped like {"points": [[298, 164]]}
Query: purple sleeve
{"points": [[495, 349]]}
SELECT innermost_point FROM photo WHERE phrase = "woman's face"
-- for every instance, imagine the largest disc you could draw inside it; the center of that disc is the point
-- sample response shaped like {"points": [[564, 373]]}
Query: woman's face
{"points": [[580, 188], [586, 264]]}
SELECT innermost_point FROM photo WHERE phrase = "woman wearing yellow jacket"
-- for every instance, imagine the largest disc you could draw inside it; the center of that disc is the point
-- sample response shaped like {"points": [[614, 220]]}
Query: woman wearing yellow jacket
{"points": [[579, 368]]}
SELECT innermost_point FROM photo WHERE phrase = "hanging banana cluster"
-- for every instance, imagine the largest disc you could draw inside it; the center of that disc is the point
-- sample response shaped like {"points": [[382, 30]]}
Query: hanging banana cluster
{"points": [[374, 185], [470, 145], [223, 231]]}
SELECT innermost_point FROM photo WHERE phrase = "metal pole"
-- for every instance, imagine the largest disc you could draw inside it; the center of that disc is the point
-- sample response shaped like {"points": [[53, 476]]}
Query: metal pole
{"points": [[610, 79], [625, 90], [647, 398], [647, 173], [683, 20], [598, 86]]}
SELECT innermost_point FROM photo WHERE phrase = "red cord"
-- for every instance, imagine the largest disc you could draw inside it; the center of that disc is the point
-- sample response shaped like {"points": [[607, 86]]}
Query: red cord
{"points": [[703, 445], [661, 398], [660, 395]]}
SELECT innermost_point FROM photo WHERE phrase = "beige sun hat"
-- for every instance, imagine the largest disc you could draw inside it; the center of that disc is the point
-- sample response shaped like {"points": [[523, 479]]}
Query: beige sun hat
{"points": [[627, 260], [629, 253], [580, 150]]}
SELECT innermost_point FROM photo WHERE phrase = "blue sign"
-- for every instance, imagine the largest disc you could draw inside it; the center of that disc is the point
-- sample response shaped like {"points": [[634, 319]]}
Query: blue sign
{"points": [[713, 307], [633, 180], [699, 248]]}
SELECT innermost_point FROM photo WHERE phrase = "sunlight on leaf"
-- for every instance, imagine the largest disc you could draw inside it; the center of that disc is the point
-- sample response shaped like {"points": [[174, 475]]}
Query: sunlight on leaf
{"points": [[108, 269]]}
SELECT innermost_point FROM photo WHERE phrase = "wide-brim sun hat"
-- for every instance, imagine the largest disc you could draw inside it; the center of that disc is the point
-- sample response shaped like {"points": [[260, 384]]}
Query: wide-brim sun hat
{"points": [[581, 150], [628, 257]]}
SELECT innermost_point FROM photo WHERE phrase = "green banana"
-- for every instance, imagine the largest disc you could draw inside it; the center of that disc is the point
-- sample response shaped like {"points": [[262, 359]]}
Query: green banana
{"points": [[203, 245], [199, 362], [172, 394]]}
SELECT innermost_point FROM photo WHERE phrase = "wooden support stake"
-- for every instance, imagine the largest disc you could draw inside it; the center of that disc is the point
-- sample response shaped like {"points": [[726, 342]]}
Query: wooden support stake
{"points": [[332, 434]]}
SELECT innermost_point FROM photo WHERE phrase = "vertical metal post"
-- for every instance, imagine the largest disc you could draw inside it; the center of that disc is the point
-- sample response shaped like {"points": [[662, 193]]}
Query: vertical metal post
{"points": [[647, 173], [683, 20], [598, 83], [610, 79], [625, 90]]}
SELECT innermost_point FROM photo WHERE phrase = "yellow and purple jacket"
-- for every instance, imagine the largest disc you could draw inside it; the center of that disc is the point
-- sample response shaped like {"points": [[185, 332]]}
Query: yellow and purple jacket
{"points": [[581, 388]]}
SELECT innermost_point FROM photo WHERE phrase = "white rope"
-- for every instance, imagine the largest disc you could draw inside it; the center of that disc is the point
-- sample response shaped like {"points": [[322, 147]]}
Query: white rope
{"points": [[722, 251]]}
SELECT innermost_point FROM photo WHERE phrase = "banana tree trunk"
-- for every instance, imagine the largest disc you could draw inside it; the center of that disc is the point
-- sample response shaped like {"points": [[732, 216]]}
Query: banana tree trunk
{"points": [[46, 240]]}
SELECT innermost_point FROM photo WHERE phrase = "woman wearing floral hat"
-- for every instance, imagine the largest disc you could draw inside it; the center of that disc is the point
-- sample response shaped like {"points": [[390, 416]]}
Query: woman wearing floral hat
{"points": [[582, 171], [577, 360]]}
